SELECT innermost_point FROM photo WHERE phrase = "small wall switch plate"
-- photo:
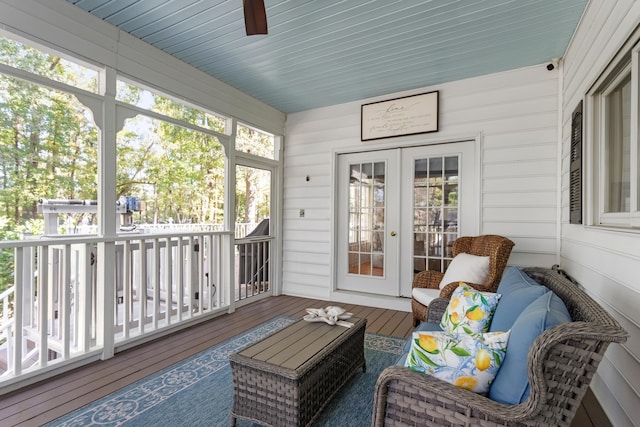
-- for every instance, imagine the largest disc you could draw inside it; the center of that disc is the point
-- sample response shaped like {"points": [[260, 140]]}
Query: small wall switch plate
{"points": [[301, 213]]}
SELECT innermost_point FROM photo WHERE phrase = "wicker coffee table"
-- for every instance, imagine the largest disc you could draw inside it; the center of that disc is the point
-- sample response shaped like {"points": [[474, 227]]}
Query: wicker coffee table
{"points": [[287, 378]]}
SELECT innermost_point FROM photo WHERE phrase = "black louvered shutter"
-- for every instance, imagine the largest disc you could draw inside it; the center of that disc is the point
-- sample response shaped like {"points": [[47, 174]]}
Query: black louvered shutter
{"points": [[575, 177]]}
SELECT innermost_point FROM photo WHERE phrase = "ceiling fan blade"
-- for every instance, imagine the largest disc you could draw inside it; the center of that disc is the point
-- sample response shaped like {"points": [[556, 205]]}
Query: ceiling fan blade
{"points": [[255, 17]]}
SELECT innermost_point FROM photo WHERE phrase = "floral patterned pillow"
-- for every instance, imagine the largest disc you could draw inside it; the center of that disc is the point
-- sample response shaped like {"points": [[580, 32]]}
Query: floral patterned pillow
{"points": [[467, 361], [469, 311]]}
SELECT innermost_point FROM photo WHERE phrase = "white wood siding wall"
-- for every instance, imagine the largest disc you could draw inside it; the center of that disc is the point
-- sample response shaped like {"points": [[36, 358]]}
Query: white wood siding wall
{"points": [[513, 114], [606, 263], [60, 25]]}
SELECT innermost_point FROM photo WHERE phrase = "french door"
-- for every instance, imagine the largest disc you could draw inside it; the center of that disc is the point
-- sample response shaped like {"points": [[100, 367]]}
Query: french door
{"points": [[399, 211], [368, 191]]}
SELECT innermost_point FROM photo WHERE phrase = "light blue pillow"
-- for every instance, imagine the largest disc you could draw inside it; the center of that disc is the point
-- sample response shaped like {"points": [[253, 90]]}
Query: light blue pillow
{"points": [[518, 291], [403, 358], [513, 275], [511, 385], [428, 326]]}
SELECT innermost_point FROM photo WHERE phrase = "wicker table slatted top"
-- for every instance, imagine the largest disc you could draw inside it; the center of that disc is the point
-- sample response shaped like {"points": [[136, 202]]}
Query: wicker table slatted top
{"points": [[287, 378], [295, 345]]}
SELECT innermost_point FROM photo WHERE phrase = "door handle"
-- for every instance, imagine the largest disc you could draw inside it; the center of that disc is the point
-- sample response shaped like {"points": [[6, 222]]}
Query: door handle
{"points": [[393, 234]]}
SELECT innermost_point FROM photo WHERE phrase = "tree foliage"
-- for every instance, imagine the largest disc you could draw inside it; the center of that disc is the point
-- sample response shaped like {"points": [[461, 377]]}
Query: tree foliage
{"points": [[177, 172], [49, 149], [47, 141]]}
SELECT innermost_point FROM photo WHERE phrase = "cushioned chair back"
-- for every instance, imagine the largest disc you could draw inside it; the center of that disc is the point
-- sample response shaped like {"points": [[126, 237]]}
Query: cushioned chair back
{"points": [[497, 248]]}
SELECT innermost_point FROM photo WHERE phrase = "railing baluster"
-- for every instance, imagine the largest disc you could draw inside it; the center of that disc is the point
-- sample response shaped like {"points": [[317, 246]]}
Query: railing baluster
{"points": [[17, 313], [211, 270], [259, 267], [156, 282], [7, 330], [142, 287], [247, 276], [201, 275], [190, 267], [119, 283], [43, 304], [168, 279], [265, 266], [93, 291], [126, 288], [252, 267], [74, 315], [218, 270], [65, 304], [180, 277], [28, 293], [50, 301], [24, 301]]}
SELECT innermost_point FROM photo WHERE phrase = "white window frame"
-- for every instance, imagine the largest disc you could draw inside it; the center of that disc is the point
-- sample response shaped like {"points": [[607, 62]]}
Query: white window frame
{"points": [[626, 62]]}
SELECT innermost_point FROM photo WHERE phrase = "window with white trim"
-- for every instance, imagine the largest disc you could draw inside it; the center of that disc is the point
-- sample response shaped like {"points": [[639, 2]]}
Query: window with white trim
{"points": [[614, 149]]}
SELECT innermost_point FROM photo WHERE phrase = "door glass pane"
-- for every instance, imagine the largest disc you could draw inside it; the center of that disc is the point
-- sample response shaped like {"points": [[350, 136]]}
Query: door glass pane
{"points": [[435, 211], [618, 148], [367, 195]]}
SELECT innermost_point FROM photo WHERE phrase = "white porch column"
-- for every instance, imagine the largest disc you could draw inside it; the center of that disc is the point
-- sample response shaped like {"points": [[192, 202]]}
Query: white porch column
{"points": [[107, 156], [229, 213]]}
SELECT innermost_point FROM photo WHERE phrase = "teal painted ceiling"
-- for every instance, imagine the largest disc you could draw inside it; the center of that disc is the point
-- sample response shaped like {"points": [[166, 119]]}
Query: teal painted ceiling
{"points": [[326, 52]]}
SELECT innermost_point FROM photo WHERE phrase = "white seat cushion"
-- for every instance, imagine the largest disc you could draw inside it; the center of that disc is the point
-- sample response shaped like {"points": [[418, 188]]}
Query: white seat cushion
{"points": [[466, 268], [425, 295]]}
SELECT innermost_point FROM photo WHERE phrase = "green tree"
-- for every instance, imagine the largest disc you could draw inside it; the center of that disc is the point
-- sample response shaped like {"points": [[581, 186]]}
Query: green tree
{"points": [[251, 204], [47, 141], [177, 172], [47, 145]]}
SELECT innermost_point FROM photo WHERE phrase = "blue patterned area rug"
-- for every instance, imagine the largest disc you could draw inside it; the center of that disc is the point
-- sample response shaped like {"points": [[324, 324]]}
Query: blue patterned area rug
{"points": [[198, 391]]}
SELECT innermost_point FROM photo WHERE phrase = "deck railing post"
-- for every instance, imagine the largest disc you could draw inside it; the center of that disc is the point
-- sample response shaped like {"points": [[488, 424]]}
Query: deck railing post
{"points": [[84, 291], [105, 298]]}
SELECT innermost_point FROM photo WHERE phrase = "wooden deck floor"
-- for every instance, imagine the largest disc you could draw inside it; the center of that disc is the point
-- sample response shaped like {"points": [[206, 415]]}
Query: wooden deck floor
{"points": [[46, 401]]}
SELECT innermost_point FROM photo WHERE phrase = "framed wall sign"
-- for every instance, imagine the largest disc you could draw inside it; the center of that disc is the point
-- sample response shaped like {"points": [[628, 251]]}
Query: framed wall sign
{"points": [[408, 115]]}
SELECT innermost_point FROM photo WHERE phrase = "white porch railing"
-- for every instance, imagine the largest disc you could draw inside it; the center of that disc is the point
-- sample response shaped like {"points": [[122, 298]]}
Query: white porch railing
{"points": [[66, 308], [241, 229], [62, 309]]}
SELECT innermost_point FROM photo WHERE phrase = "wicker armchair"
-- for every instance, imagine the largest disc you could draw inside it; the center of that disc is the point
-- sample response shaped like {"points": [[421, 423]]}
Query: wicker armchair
{"points": [[498, 248], [561, 364]]}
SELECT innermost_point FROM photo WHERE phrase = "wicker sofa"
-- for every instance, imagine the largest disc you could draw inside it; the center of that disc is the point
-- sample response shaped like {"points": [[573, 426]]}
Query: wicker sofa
{"points": [[560, 365]]}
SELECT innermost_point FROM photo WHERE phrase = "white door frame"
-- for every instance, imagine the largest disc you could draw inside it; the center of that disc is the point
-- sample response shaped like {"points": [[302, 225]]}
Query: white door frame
{"points": [[275, 216], [387, 283], [466, 199], [382, 301]]}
